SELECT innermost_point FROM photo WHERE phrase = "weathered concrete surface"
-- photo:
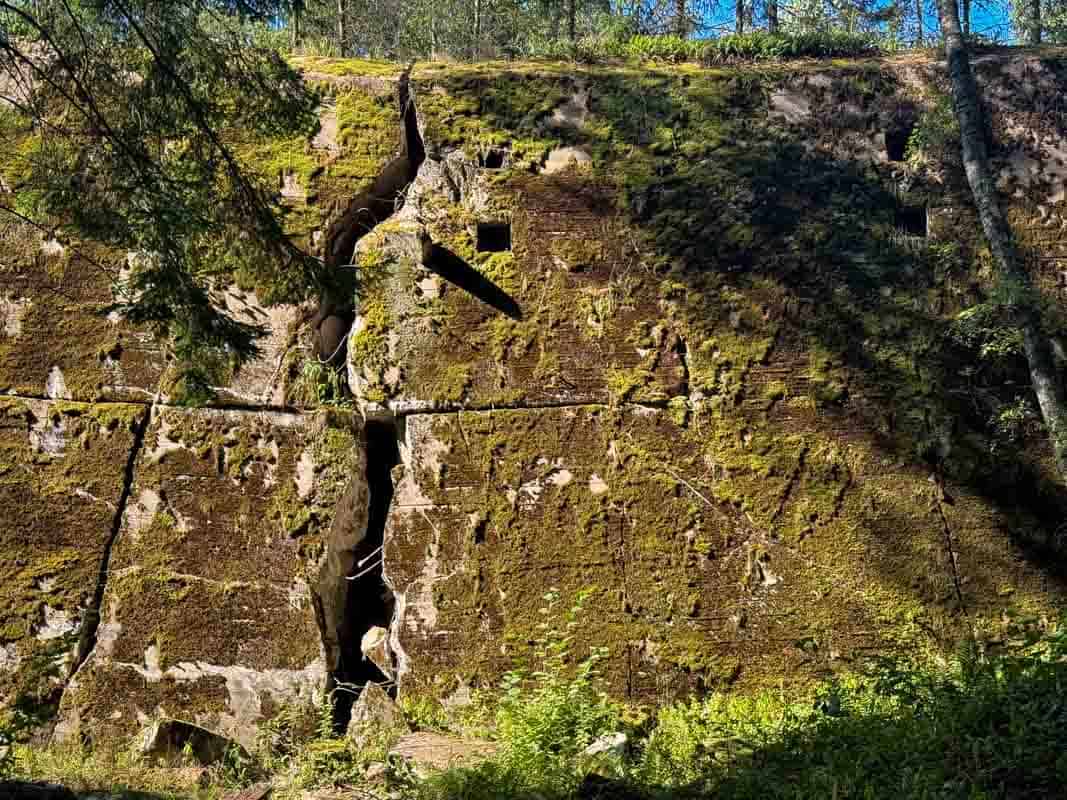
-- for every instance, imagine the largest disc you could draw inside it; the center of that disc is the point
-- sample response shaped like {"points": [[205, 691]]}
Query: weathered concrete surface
{"points": [[263, 381], [567, 315], [734, 394], [822, 463], [54, 340], [208, 613], [695, 586], [61, 477]]}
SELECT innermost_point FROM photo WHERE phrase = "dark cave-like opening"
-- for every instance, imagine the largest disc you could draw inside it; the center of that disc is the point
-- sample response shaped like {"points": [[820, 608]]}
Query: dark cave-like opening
{"points": [[911, 220], [368, 602], [492, 159], [896, 140]]}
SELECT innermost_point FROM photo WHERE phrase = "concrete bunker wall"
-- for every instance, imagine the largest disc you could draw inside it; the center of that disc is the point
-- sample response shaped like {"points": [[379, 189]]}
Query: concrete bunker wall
{"points": [[704, 372]]}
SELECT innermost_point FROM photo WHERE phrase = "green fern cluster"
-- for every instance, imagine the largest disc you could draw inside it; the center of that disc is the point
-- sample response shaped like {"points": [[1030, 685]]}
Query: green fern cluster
{"points": [[549, 714]]}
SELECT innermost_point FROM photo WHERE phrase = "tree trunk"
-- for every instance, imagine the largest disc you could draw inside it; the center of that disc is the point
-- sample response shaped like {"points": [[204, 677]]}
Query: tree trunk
{"points": [[772, 16], [1035, 22], [966, 17], [739, 16], [681, 25], [477, 29], [572, 19], [341, 28], [919, 35], [1036, 345], [296, 25], [433, 31]]}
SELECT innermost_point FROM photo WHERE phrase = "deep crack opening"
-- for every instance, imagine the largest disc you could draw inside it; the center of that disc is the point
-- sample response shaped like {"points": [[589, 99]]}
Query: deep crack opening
{"points": [[911, 220], [896, 140], [335, 314], [369, 602]]}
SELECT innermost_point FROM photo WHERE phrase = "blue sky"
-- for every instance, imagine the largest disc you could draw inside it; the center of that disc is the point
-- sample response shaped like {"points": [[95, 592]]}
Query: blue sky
{"points": [[990, 19]]}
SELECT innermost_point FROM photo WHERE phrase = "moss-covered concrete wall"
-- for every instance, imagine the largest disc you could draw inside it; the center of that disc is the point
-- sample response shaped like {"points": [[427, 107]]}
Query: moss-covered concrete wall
{"points": [[736, 366], [208, 611], [61, 478], [730, 370], [714, 562], [182, 560]]}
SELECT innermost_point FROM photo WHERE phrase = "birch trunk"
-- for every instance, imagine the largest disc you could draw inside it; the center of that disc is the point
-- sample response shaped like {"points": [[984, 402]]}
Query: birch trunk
{"points": [[433, 31], [1036, 345], [341, 27], [477, 29]]}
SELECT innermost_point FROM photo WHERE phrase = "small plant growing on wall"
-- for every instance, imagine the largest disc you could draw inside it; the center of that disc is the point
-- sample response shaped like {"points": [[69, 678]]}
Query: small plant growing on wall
{"points": [[549, 713], [320, 384]]}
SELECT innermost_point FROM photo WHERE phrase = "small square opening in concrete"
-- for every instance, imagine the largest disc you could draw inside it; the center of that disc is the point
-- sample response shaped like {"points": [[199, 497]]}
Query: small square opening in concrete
{"points": [[911, 220], [494, 237]]}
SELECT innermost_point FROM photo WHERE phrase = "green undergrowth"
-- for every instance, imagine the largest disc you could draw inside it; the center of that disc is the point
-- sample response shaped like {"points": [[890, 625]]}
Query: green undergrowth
{"points": [[983, 723], [754, 46], [978, 725]]}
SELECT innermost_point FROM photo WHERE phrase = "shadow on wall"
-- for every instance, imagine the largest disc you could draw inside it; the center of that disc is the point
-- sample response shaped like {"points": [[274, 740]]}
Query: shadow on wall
{"points": [[760, 208], [458, 272], [829, 259]]}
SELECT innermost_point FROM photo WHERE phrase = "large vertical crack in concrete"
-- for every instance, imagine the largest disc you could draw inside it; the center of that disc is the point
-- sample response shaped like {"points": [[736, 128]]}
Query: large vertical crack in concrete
{"points": [[365, 211], [369, 604], [91, 621], [351, 598]]}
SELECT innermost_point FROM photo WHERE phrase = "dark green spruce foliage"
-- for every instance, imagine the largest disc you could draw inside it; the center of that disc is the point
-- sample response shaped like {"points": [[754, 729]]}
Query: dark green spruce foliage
{"points": [[133, 101]]}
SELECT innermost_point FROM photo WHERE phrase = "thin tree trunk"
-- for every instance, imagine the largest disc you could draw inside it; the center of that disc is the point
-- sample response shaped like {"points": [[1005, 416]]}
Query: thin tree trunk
{"points": [[477, 28], [572, 19], [296, 25], [1035, 22], [739, 16], [919, 33], [966, 17], [680, 22], [1036, 345], [433, 31], [772, 16], [341, 27]]}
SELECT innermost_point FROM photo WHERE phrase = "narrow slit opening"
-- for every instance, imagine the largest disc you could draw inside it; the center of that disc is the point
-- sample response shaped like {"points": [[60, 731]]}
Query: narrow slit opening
{"points": [[492, 159], [369, 602], [896, 140]]}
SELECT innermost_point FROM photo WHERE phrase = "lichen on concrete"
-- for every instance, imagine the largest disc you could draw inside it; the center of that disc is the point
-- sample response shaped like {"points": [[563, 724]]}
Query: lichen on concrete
{"points": [[61, 478], [715, 371], [209, 566]]}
